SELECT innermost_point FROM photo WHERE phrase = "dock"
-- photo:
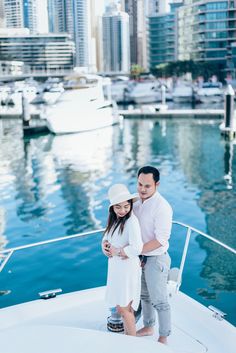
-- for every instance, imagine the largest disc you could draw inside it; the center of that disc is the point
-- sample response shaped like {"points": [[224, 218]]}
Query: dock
{"points": [[172, 113], [145, 112]]}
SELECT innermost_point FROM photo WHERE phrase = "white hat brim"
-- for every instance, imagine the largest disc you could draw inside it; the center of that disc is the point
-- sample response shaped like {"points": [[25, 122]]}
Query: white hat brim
{"points": [[122, 198]]}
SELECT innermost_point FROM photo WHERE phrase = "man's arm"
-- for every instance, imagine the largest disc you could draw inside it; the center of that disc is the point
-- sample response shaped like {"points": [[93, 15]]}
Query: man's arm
{"points": [[151, 245]]}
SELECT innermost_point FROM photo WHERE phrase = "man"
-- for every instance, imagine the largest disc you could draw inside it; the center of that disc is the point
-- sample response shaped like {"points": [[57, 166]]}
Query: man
{"points": [[155, 217]]}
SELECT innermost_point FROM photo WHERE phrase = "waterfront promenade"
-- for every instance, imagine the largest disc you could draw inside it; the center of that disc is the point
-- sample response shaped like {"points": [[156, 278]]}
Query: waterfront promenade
{"points": [[139, 114], [36, 74]]}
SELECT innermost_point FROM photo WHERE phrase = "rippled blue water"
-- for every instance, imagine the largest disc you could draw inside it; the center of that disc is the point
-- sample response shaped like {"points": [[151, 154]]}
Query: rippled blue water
{"points": [[52, 186]]}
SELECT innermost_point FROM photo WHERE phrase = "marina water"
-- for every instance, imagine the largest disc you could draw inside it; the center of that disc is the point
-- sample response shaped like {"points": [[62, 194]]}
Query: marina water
{"points": [[52, 186]]}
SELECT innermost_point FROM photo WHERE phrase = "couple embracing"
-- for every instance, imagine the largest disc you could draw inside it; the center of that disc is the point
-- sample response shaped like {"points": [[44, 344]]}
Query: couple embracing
{"points": [[139, 227]]}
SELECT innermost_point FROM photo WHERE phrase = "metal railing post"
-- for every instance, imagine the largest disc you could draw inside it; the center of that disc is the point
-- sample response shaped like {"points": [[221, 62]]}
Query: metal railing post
{"points": [[183, 258], [4, 262]]}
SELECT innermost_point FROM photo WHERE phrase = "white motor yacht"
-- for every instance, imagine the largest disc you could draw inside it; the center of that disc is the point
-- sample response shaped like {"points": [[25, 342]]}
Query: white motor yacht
{"points": [[81, 322], [182, 93], [81, 107], [145, 92], [49, 94], [210, 92], [120, 88]]}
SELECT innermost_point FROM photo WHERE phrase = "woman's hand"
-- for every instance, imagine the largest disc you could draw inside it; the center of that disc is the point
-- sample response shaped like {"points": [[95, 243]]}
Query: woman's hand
{"points": [[118, 252], [106, 248], [114, 251]]}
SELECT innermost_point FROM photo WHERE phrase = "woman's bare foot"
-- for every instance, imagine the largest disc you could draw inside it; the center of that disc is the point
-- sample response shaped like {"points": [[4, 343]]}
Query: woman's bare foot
{"points": [[145, 331], [162, 339]]}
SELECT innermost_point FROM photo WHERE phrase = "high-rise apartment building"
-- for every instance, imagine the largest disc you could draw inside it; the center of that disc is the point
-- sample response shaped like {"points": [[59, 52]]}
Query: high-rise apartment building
{"points": [[162, 36], [131, 7], [30, 15], [207, 31], [73, 17], [97, 9], [158, 7], [38, 52], [82, 32], [14, 14], [116, 52], [2, 14], [56, 16]]}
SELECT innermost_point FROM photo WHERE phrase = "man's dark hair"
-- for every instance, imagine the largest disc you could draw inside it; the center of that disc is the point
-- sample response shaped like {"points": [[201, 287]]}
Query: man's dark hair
{"points": [[150, 170]]}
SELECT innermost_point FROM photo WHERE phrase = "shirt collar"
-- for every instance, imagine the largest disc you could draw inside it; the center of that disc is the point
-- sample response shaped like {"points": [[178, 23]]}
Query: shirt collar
{"points": [[154, 196]]}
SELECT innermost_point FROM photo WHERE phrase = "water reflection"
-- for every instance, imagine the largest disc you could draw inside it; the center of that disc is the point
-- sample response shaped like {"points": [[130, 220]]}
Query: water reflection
{"points": [[228, 158], [209, 167], [3, 239], [56, 185], [79, 160]]}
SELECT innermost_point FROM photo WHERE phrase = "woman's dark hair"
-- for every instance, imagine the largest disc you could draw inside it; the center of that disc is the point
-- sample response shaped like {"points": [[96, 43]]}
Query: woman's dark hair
{"points": [[114, 222], [150, 170]]}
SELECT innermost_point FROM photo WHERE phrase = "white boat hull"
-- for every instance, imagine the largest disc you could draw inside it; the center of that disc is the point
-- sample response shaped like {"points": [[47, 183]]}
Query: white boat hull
{"points": [[75, 316], [72, 122], [210, 99], [148, 98], [178, 99], [80, 110]]}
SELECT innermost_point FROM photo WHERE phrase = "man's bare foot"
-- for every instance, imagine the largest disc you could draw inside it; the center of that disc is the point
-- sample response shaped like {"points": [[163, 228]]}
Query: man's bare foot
{"points": [[162, 339], [145, 331]]}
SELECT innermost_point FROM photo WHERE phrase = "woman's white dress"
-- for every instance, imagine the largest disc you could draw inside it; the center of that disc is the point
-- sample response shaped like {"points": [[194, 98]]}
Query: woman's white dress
{"points": [[124, 276]]}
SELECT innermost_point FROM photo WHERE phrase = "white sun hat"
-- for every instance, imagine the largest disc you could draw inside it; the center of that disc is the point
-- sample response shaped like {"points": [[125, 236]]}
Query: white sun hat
{"points": [[119, 193]]}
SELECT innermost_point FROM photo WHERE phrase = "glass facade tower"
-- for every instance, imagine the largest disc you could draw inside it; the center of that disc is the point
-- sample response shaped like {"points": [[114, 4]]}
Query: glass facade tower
{"points": [[206, 31], [116, 52], [162, 37]]}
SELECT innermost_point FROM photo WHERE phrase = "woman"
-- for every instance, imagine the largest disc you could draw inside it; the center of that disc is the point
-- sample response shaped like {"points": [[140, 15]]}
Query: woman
{"points": [[122, 243]]}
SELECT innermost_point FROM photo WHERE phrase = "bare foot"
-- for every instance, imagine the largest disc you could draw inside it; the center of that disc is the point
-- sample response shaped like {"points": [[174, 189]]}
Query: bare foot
{"points": [[162, 339], [145, 331]]}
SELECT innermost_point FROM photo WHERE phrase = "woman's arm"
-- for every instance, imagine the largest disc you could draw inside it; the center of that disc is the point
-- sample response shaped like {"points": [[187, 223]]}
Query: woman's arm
{"points": [[135, 240]]}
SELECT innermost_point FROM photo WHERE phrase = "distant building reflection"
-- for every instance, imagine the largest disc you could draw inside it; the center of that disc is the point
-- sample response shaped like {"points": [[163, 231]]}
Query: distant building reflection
{"points": [[80, 160], [210, 166], [3, 239], [32, 177], [228, 158]]}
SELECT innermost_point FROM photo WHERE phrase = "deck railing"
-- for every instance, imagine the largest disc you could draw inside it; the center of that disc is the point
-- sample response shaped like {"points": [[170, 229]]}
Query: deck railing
{"points": [[6, 254]]}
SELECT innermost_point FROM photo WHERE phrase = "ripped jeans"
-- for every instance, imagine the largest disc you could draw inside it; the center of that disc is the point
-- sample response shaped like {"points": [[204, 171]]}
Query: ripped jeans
{"points": [[154, 294]]}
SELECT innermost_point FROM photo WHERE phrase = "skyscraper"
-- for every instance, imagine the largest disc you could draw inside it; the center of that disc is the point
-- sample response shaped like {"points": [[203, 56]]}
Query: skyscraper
{"points": [[116, 53], [138, 12], [56, 16], [82, 32], [30, 15], [2, 14], [207, 32], [131, 7], [73, 17], [97, 9], [158, 7], [14, 13]]}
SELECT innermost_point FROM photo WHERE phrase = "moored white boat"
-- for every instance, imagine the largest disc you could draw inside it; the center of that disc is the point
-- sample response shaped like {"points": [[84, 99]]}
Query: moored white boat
{"points": [[145, 92], [210, 92], [182, 93], [81, 107], [50, 94], [77, 322], [120, 88]]}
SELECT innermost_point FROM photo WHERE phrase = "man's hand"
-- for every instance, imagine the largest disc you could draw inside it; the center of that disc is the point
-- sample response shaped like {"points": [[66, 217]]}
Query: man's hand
{"points": [[106, 248]]}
